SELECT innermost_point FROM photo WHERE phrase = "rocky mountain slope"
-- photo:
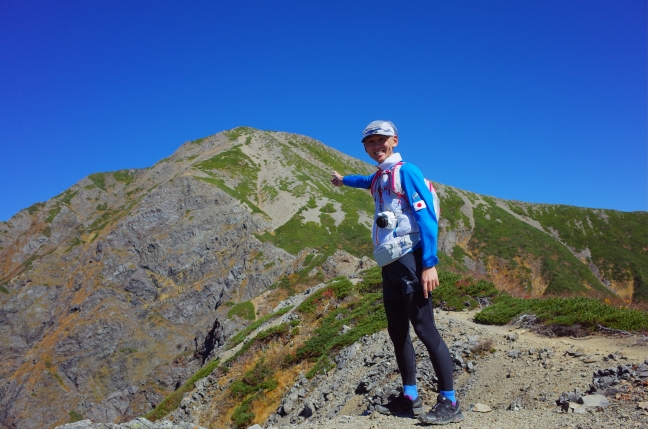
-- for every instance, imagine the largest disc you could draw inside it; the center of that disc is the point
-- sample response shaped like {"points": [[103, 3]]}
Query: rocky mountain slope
{"points": [[113, 293], [506, 377]]}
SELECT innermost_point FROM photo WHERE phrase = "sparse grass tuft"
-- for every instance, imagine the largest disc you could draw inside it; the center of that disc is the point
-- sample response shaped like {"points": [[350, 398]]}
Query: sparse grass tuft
{"points": [[242, 334], [99, 180], [244, 310], [172, 401], [75, 416], [35, 208]]}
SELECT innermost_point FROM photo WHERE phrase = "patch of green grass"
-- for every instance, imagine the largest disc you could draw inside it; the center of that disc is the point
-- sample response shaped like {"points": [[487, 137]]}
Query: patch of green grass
{"points": [[35, 208], [244, 310], [262, 337], [102, 207], [455, 290], [75, 242], [66, 197], [4, 289], [221, 184], [243, 333], [302, 276], [99, 180], [172, 401], [127, 350], [75, 416], [200, 140], [52, 214], [235, 133], [124, 176], [47, 231], [451, 204], [450, 263], [328, 208], [586, 312]]}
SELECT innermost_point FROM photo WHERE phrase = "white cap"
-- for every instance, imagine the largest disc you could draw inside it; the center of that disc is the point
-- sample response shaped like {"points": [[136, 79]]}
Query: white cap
{"points": [[383, 128]]}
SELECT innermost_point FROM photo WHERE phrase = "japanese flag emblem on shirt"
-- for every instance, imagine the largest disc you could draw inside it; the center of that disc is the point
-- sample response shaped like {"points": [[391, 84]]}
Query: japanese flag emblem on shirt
{"points": [[419, 205]]}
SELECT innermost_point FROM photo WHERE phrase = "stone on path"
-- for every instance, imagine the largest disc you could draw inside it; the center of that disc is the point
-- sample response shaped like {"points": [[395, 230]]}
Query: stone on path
{"points": [[594, 401], [481, 408], [572, 407], [643, 405]]}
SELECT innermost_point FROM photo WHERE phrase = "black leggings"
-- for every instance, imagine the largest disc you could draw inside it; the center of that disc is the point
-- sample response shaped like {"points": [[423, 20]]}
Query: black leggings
{"points": [[404, 303]]}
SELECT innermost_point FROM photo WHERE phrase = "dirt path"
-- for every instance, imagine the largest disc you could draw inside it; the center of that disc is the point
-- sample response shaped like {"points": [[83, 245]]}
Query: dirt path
{"points": [[532, 379]]}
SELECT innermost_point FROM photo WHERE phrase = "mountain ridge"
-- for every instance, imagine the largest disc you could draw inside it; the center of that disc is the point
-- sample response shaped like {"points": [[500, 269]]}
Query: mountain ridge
{"points": [[115, 291]]}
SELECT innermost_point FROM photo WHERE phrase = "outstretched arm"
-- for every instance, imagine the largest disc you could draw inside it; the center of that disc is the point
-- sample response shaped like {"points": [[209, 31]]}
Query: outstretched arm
{"points": [[355, 181], [338, 179]]}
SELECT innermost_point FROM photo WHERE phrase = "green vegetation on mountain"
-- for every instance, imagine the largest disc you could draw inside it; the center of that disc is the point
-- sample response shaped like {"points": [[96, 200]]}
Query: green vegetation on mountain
{"points": [[244, 310], [35, 208], [617, 241], [499, 234], [99, 180], [586, 312]]}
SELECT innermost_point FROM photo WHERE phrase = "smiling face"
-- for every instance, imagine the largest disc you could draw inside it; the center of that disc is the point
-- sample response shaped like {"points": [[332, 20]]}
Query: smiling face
{"points": [[379, 148]]}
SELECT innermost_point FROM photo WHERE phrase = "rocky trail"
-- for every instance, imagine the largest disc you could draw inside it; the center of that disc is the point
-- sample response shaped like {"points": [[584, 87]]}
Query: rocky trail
{"points": [[506, 377]]}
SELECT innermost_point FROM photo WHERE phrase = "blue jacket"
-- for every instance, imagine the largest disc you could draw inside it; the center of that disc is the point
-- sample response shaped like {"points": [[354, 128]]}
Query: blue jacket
{"points": [[423, 220]]}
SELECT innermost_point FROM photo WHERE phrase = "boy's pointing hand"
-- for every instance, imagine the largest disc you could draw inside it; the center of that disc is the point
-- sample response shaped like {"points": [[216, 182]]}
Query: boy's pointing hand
{"points": [[337, 178]]}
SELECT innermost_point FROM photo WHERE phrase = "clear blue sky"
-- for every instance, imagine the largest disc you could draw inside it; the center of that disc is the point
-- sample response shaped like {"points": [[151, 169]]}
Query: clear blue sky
{"points": [[540, 100]]}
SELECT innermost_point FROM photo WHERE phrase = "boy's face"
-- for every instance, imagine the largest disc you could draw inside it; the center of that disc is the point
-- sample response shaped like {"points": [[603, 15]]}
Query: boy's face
{"points": [[379, 148]]}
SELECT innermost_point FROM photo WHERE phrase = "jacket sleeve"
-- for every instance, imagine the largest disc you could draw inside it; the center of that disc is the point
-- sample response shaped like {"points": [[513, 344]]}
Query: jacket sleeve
{"points": [[416, 192], [357, 181]]}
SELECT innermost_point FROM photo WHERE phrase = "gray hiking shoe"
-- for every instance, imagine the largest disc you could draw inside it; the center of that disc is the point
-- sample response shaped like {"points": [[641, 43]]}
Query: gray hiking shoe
{"points": [[443, 412], [401, 405]]}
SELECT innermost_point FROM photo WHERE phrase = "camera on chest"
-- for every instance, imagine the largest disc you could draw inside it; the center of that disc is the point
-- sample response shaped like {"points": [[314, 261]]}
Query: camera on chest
{"points": [[386, 220]]}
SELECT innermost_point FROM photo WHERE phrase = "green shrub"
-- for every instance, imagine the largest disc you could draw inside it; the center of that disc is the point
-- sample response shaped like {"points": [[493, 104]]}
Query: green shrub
{"points": [[3, 289], [262, 337], [243, 415], [371, 280], [454, 291], [364, 315], [258, 378], [244, 310], [586, 312], [75, 416]]}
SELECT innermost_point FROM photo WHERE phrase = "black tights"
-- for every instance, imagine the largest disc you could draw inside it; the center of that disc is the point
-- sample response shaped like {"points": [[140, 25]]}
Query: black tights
{"points": [[404, 303]]}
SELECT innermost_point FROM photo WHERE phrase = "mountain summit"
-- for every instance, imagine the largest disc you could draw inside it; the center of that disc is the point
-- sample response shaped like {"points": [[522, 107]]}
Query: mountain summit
{"points": [[116, 291]]}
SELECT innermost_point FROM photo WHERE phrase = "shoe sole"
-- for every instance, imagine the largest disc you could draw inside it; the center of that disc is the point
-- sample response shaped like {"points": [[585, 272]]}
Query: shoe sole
{"points": [[454, 419], [415, 411]]}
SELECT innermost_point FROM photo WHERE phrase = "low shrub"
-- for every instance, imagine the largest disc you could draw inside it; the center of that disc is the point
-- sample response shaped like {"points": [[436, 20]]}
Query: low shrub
{"points": [[586, 312]]}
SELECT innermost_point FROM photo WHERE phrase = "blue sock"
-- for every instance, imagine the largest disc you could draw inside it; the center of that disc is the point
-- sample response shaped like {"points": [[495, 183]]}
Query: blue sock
{"points": [[450, 394], [410, 390]]}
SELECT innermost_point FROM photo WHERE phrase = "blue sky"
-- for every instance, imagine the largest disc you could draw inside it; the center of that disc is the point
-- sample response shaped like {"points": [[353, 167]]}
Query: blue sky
{"points": [[541, 100]]}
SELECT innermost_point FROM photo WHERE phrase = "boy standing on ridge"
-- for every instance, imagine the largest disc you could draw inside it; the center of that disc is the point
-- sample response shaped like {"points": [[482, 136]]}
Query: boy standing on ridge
{"points": [[405, 240]]}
